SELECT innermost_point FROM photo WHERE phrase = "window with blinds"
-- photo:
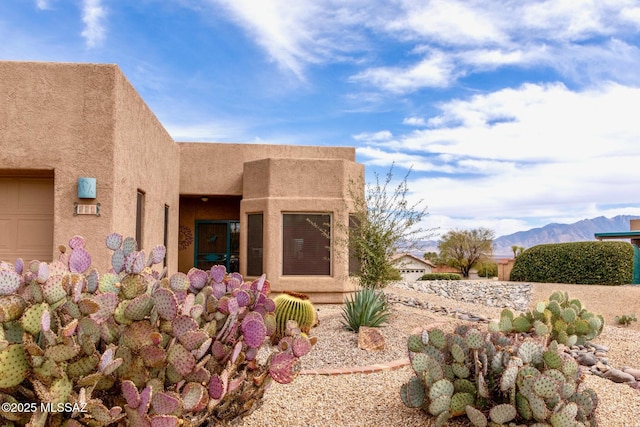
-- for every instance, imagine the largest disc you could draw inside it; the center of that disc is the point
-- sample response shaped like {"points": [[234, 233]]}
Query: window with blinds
{"points": [[306, 245], [254, 244]]}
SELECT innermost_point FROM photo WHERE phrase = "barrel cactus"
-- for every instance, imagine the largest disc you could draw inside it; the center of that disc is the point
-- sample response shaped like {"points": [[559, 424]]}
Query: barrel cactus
{"points": [[293, 306], [493, 380], [134, 347]]}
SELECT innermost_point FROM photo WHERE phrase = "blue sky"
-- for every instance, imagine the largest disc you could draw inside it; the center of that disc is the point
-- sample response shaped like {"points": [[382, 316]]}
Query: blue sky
{"points": [[511, 114]]}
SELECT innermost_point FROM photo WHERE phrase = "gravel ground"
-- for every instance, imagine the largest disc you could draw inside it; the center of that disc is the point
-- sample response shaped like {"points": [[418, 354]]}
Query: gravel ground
{"points": [[373, 399]]}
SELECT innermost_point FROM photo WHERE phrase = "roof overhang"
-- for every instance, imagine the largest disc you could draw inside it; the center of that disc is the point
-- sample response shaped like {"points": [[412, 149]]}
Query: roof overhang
{"points": [[618, 235]]}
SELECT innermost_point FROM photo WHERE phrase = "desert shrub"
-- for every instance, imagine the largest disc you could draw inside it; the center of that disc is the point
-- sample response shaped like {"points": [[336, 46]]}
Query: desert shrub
{"points": [[487, 269], [133, 347], [441, 276], [626, 319], [590, 263], [367, 307]]}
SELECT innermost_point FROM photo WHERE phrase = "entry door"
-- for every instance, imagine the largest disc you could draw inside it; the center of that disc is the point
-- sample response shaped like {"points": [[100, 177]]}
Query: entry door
{"points": [[217, 243]]}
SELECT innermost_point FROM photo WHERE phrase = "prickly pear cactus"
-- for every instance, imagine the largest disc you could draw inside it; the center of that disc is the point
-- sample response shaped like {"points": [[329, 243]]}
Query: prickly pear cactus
{"points": [[561, 319], [133, 347], [494, 380]]}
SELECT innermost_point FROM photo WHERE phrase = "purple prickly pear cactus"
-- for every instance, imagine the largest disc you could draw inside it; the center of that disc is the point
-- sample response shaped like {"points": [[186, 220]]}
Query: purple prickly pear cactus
{"points": [[218, 385], [164, 403], [79, 260], [197, 278], [157, 255], [114, 241], [191, 338], [179, 282], [130, 393], [254, 332], [129, 245], [217, 273], [19, 266], [117, 261], [77, 242], [9, 282], [165, 303], [284, 367], [219, 289]]}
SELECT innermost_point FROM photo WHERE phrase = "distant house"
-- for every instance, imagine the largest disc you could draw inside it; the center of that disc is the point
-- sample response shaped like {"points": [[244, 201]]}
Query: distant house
{"points": [[411, 267]]}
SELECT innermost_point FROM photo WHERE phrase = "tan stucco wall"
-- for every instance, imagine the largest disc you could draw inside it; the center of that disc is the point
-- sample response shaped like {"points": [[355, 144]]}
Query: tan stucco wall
{"points": [[87, 120], [276, 186], [218, 168], [145, 159], [60, 117]]}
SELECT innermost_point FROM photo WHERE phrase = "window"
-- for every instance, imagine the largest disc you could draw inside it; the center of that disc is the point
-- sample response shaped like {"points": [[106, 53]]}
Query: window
{"points": [[165, 240], [305, 244], [254, 244], [139, 218], [354, 260]]}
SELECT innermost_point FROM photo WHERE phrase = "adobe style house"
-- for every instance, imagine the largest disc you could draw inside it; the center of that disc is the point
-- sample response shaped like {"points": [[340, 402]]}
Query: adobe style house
{"points": [[81, 153]]}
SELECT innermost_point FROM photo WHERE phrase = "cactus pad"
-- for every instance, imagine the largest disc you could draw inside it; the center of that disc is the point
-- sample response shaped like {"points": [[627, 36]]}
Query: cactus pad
{"points": [[415, 344], [439, 405], [502, 414], [437, 338], [79, 260], [459, 402], [13, 365], [412, 393], [477, 418], [284, 367], [442, 387], [11, 307]]}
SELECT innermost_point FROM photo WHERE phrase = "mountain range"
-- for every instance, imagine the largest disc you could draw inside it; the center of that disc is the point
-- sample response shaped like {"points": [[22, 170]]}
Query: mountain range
{"points": [[580, 231]]}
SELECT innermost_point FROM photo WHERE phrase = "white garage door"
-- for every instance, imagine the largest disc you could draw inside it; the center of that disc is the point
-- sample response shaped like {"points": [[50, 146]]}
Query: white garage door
{"points": [[26, 218]]}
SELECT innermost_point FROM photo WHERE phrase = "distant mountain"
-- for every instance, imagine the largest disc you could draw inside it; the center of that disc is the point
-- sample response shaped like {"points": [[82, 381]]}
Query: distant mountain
{"points": [[580, 231]]}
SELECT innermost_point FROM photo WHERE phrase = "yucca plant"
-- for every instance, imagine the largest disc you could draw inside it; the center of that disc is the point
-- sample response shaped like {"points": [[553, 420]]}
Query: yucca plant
{"points": [[367, 307]]}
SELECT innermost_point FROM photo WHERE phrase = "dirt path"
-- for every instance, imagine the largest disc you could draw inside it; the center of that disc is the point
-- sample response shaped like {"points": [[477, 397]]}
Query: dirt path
{"points": [[609, 301]]}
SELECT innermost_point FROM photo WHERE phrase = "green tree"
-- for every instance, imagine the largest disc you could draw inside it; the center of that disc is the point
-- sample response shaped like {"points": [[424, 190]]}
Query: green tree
{"points": [[383, 223], [465, 248]]}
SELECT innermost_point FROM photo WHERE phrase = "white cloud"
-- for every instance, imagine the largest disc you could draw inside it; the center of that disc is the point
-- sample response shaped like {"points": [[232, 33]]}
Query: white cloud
{"points": [[532, 123], [537, 151], [436, 70], [93, 15], [383, 135], [42, 4], [295, 34], [414, 121]]}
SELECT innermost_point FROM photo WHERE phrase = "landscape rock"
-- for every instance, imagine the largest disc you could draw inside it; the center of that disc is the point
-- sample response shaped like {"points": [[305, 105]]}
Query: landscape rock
{"points": [[632, 371], [370, 339], [616, 375]]}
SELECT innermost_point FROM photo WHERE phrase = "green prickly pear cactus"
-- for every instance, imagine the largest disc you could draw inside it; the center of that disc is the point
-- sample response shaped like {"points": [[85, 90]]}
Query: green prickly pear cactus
{"points": [[561, 319], [493, 379], [134, 347]]}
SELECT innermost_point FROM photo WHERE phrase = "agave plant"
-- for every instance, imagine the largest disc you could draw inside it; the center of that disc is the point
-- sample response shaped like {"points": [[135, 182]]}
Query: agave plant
{"points": [[367, 307]]}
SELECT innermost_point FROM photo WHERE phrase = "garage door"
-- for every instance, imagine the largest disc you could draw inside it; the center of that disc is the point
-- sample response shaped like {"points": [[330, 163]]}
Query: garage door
{"points": [[26, 218]]}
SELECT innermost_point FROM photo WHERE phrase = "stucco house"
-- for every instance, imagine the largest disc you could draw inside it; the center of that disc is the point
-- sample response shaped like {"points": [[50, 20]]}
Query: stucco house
{"points": [[81, 153], [411, 267]]}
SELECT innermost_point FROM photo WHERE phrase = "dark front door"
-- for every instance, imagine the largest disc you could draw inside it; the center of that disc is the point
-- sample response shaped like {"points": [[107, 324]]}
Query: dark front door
{"points": [[217, 243]]}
